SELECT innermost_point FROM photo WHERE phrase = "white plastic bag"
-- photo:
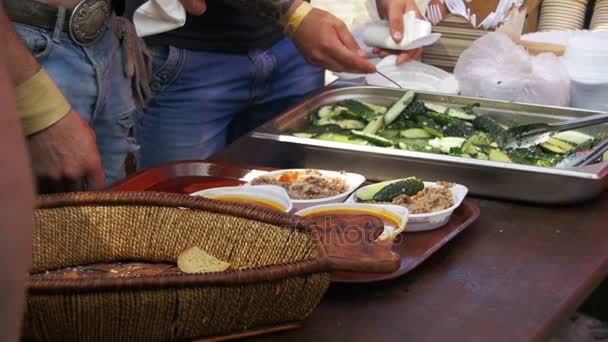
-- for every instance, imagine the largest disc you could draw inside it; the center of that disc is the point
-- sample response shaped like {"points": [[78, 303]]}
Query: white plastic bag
{"points": [[496, 68]]}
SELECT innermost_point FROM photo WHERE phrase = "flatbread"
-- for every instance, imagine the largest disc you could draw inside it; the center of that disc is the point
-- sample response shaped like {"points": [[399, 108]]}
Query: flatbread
{"points": [[195, 260]]}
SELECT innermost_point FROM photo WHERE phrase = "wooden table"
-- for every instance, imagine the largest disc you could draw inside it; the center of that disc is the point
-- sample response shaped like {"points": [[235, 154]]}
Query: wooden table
{"points": [[515, 275]]}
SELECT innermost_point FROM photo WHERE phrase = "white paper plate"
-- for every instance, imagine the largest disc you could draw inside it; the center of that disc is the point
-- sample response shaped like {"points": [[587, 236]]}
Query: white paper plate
{"points": [[430, 221], [415, 76], [270, 193], [353, 181]]}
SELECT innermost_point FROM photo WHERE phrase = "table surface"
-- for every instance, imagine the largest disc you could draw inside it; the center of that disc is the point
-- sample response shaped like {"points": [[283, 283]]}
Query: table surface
{"points": [[515, 275]]}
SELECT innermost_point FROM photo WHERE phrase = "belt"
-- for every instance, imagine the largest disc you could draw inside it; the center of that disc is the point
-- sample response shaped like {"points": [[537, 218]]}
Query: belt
{"points": [[85, 23]]}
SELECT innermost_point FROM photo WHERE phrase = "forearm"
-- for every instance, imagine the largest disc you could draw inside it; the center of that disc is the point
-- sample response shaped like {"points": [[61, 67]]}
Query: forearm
{"points": [[16, 203], [272, 11], [22, 64]]}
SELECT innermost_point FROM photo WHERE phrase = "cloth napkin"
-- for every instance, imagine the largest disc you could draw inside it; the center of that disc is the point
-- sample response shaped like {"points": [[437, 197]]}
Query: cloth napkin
{"points": [[158, 16]]}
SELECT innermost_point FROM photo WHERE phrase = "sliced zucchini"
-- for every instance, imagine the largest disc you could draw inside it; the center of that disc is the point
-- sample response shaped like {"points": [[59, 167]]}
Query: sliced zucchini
{"points": [[344, 124], [393, 113], [499, 156], [446, 145], [415, 133], [564, 146], [573, 137], [331, 111], [388, 133], [343, 138], [460, 114], [377, 109], [350, 124], [373, 138], [469, 148], [436, 108], [482, 156], [552, 148], [373, 126], [479, 139]]}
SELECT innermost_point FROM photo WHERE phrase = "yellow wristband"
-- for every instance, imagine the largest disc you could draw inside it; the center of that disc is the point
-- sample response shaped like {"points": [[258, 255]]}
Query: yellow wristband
{"points": [[296, 18], [40, 103]]}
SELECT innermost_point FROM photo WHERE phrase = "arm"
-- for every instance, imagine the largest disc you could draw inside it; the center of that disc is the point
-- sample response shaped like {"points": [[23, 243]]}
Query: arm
{"points": [[16, 203], [62, 147]]}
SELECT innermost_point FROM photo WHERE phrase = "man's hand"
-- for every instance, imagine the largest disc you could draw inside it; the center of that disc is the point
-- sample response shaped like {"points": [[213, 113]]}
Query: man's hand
{"points": [[393, 10], [194, 7], [65, 157], [326, 41]]}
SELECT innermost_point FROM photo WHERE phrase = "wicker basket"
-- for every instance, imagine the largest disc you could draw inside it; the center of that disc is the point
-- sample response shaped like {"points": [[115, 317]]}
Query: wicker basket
{"points": [[282, 271]]}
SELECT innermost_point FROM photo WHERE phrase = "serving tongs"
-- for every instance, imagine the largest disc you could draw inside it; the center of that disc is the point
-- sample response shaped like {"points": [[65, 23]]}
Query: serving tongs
{"points": [[585, 158], [525, 136]]}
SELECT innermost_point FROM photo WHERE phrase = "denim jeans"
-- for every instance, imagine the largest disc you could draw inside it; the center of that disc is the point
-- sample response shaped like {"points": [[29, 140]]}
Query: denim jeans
{"points": [[202, 99], [94, 82]]}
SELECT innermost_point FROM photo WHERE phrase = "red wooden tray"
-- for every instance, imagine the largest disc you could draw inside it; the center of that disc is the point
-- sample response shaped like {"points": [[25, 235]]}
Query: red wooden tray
{"points": [[192, 176]]}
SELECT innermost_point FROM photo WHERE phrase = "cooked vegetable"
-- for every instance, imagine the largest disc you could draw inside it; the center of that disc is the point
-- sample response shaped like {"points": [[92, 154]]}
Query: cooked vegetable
{"points": [[490, 126], [447, 144], [460, 114], [458, 129], [388, 133], [573, 137], [499, 156], [359, 109], [440, 118], [557, 146], [480, 139], [605, 156], [408, 187], [329, 112], [436, 108], [374, 126], [414, 109], [372, 138], [343, 138], [414, 125], [415, 133], [534, 156], [394, 112], [430, 126]]}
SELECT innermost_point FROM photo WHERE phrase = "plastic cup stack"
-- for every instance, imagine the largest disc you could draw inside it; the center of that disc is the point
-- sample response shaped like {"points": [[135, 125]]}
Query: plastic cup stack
{"points": [[586, 59], [599, 20], [563, 14]]}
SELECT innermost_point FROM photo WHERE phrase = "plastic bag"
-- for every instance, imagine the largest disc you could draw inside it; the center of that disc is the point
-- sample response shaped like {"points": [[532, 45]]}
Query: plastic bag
{"points": [[494, 67]]}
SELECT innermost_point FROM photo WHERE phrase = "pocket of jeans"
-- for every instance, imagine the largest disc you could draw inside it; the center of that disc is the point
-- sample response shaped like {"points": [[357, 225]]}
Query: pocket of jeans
{"points": [[165, 67], [37, 41]]}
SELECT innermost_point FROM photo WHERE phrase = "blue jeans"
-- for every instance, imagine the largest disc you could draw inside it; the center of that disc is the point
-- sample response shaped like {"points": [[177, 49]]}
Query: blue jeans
{"points": [[201, 99], [94, 82]]}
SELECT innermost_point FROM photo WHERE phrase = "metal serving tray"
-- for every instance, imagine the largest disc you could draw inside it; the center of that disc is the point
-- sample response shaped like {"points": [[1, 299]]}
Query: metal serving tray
{"points": [[483, 178]]}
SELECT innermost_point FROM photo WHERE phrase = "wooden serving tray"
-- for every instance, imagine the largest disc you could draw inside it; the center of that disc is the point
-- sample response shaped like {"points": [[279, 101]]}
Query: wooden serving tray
{"points": [[191, 176]]}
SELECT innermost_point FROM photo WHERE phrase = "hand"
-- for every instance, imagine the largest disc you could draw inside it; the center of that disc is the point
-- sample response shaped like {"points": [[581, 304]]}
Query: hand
{"points": [[65, 157], [194, 7], [393, 10], [403, 56], [324, 40]]}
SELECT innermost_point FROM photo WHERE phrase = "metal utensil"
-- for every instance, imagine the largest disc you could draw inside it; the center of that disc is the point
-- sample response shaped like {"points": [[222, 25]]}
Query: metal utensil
{"points": [[389, 79], [537, 133], [587, 157]]}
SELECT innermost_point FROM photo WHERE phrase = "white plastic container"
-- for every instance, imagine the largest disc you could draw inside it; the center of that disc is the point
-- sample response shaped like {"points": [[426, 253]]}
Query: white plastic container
{"points": [[353, 181], [263, 193], [430, 221], [399, 213]]}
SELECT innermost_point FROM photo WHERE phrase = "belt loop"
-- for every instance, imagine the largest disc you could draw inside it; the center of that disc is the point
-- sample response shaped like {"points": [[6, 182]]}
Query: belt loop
{"points": [[61, 12]]}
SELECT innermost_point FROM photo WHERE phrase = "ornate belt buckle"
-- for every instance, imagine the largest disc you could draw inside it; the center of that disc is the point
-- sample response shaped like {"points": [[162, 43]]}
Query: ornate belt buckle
{"points": [[88, 21]]}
